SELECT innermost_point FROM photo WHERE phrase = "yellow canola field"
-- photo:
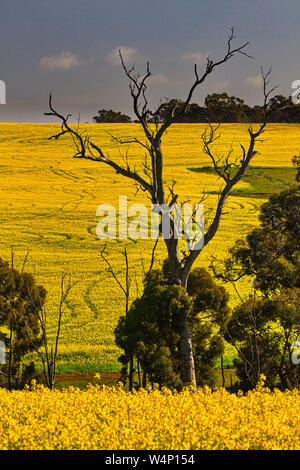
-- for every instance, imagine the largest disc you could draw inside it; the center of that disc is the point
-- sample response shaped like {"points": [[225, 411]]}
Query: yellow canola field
{"points": [[48, 203], [111, 419]]}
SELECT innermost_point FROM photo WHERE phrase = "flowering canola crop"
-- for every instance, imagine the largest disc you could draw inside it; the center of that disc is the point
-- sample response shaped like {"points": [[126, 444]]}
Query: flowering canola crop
{"points": [[48, 203], [110, 419]]}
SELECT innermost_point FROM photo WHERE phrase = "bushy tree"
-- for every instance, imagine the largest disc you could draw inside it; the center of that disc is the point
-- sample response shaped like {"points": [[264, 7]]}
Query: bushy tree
{"points": [[271, 252], [20, 298], [263, 329], [220, 107], [151, 330]]}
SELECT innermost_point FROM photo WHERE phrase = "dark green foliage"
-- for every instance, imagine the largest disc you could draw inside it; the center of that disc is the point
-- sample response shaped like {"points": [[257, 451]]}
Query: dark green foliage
{"points": [[151, 330], [209, 299], [264, 332], [194, 112], [220, 107], [296, 163], [271, 253], [209, 317], [20, 299], [223, 108], [109, 115]]}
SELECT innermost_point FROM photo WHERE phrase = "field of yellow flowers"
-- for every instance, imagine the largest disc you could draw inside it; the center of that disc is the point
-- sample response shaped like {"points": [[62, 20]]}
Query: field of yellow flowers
{"points": [[48, 203], [105, 418]]}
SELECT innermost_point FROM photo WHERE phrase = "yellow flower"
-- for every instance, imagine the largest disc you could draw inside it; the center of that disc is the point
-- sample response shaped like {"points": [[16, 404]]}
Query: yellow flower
{"points": [[111, 418]]}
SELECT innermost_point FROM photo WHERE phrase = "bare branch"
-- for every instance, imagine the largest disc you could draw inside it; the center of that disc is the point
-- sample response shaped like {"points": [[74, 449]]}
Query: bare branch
{"points": [[153, 254], [210, 66], [224, 171], [84, 143], [137, 86], [124, 290]]}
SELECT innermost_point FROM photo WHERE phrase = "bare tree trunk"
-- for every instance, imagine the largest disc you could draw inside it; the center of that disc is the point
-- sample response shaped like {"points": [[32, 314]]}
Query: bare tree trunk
{"points": [[186, 350], [10, 356], [222, 371], [144, 383], [284, 378], [188, 372], [131, 374], [139, 373]]}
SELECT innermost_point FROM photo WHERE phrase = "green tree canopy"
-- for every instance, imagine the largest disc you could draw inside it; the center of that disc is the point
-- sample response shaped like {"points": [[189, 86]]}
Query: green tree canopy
{"points": [[264, 328], [220, 107], [264, 331], [20, 299], [151, 330], [108, 115]]}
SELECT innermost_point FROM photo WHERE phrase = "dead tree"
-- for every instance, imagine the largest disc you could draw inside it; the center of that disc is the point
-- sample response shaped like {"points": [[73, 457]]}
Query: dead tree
{"points": [[151, 179], [48, 354], [126, 291]]}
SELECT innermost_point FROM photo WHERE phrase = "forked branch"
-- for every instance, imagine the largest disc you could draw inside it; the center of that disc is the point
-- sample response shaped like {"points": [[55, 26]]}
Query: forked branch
{"points": [[223, 165]]}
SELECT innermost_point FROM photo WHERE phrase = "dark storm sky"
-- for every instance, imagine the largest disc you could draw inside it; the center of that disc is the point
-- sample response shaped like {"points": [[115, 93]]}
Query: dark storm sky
{"points": [[69, 47]]}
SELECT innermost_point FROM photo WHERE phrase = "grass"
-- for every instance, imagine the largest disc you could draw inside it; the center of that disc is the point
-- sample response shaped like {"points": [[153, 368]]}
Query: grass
{"points": [[259, 182]]}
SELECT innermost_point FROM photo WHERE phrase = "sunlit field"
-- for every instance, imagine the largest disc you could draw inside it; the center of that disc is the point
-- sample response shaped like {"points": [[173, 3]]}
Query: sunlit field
{"points": [[48, 203], [110, 418]]}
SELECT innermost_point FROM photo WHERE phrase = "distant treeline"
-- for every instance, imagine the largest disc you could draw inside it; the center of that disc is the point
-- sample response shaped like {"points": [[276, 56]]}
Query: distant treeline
{"points": [[218, 107]]}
